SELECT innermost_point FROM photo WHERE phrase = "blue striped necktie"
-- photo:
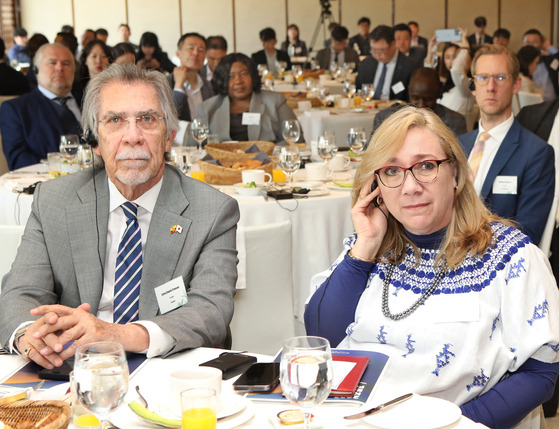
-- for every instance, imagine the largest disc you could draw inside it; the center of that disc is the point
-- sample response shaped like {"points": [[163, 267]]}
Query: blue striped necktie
{"points": [[380, 84], [128, 273]]}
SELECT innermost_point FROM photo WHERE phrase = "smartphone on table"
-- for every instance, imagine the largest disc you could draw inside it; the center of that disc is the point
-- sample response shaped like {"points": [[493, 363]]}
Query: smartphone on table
{"points": [[260, 377]]}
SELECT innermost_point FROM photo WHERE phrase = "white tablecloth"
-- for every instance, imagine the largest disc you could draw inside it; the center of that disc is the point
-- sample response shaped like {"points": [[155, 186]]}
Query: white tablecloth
{"points": [[152, 379], [319, 224]]}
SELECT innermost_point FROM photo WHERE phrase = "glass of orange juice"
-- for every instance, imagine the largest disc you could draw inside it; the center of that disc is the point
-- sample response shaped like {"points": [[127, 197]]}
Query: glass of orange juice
{"points": [[199, 408]]}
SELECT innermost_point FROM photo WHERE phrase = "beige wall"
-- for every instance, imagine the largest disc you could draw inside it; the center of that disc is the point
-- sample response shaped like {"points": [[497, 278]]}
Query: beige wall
{"points": [[210, 17]]}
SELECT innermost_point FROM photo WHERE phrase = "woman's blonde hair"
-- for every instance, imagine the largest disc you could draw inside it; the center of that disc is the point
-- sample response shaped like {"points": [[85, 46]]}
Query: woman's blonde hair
{"points": [[469, 229]]}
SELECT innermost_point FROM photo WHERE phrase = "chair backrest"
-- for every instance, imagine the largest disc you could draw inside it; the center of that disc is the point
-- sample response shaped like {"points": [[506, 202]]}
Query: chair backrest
{"points": [[545, 242], [264, 315], [10, 236], [528, 98], [3, 163]]}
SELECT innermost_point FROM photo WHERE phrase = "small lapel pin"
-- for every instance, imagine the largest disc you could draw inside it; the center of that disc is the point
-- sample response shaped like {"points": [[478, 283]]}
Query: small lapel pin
{"points": [[176, 228]]}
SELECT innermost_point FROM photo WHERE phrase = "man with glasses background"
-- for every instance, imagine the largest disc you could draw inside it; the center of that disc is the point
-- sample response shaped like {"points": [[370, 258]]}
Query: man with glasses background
{"points": [[127, 252], [513, 170], [388, 69]]}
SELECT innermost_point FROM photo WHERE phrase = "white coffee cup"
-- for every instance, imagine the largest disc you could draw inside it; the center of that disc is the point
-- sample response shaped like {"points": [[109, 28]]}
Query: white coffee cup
{"points": [[317, 171], [256, 176], [199, 376], [339, 162]]}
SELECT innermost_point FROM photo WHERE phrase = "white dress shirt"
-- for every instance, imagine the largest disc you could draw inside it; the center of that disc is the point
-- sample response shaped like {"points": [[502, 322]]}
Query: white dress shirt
{"points": [[390, 67], [72, 104], [492, 145], [193, 95]]}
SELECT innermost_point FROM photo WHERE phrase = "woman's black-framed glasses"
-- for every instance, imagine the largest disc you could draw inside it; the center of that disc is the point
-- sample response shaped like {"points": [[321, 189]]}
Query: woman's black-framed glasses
{"points": [[426, 171]]}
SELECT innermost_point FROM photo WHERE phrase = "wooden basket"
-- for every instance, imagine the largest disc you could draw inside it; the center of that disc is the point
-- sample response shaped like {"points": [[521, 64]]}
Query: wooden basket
{"points": [[225, 175], [227, 151], [15, 412]]}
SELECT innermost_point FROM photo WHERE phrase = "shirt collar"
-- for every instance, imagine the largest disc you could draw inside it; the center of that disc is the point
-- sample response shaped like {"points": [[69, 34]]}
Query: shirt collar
{"points": [[51, 95], [146, 201], [500, 131], [199, 83]]}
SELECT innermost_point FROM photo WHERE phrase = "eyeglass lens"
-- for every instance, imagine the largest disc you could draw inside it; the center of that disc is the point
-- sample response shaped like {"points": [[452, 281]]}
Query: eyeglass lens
{"points": [[393, 176]]}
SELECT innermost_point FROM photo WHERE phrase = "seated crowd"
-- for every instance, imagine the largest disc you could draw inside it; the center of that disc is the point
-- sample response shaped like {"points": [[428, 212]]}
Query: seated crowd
{"points": [[433, 205]]}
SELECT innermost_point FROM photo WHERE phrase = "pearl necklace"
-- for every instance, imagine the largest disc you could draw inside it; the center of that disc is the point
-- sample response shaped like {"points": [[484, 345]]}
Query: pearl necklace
{"points": [[421, 300]]}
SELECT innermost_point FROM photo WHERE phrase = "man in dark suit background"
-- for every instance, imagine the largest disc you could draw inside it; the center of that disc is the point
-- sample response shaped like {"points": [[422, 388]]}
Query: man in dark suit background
{"points": [[12, 82], [33, 123], [338, 52], [270, 56], [416, 39], [425, 89], [402, 36], [190, 89], [216, 49], [361, 41], [479, 38], [514, 173], [392, 78]]}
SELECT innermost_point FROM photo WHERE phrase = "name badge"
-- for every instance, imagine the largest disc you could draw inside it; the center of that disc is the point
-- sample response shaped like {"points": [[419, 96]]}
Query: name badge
{"points": [[398, 87], [554, 64], [171, 295], [251, 118], [505, 185]]}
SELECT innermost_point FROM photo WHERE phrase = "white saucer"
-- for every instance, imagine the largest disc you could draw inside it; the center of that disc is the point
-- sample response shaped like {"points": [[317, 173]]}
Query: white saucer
{"points": [[308, 185], [317, 192]]}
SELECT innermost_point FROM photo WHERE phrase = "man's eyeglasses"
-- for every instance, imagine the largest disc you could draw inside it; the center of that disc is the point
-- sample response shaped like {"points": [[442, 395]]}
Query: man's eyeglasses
{"points": [[392, 176], [147, 122], [483, 78]]}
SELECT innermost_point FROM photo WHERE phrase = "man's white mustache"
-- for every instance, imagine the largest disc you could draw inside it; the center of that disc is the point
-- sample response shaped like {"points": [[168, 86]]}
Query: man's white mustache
{"points": [[133, 154]]}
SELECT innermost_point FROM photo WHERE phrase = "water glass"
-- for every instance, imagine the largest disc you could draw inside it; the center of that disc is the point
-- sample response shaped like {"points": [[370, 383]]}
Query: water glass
{"points": [[180, 158], [291, 130], [85, 156], [199, 408], [200, 130], [306, 372], [326, 148], [55, 161], [356, 140], [368, 91], [290, 161], [69, 145], [101, 378]]}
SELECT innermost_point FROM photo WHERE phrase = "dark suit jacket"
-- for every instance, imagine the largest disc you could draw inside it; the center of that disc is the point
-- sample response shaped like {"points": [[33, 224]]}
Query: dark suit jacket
{"points": [[531, 160], [539, 118], [31, 127], [417, 55], [553, 73], [181, 99], [472, 40], [402, 73], [62, 255], [363, 43], [422, 41], [453, 120], [12, 82], [260, 57], [323, 57]]}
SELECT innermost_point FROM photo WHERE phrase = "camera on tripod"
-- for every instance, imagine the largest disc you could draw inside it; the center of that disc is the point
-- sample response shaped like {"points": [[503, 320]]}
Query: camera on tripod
{"points": [[325, 5]]}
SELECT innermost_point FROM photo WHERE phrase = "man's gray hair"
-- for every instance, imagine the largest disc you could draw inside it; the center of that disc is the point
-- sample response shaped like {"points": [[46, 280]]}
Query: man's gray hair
{"points": [[127, 74], [40, 53]]}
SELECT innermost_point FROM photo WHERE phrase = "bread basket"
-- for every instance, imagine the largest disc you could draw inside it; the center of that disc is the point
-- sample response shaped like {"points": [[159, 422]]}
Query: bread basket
{"points": [[13, 413], [236, 151]]}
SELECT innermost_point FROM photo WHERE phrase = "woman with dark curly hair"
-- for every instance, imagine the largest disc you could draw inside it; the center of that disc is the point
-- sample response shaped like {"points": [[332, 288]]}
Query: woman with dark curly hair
{"points": [[151, 56], [96, 57], [241, 110]]}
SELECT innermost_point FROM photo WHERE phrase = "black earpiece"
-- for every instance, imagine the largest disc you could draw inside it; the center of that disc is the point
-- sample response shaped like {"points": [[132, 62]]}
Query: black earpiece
{"points": [[471, 85], [35, 69], [89, 138]]}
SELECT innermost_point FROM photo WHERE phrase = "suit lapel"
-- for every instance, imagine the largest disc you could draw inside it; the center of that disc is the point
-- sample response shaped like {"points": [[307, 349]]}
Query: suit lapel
{"points": [[163, 249], [507, 148], [256, 106], [221, 119], [87, 242]]}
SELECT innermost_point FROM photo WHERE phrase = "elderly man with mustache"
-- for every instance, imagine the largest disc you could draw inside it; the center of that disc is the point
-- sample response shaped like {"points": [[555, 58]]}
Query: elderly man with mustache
{"points": [[126, 252]]}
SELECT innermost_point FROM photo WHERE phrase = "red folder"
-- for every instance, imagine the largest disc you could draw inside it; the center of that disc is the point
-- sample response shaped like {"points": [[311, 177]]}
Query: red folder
{"points": [[350, 383]]}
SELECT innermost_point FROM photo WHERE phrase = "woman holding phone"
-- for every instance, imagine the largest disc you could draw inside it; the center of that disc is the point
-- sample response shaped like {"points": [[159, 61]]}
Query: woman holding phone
{"points": [[463, 302]]}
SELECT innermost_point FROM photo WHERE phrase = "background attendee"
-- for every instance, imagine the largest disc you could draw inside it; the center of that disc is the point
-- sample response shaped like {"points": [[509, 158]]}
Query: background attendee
{"points": [[67, 29], [96, 57], [151, 56], [402, 37], [361, 42], [58, 300], [528, 59], [501, 36], [391, 79], [545, 76], [513, 169], [124, 35], [216, 49], [68, 40], [123, 53], [479, 38], [338, 52], [270, 56], [12, 82], [416, 39], [425, 89], [189, 88], [429, 275], [33, 45], [237, 85], [294, 46], [18, 51], [87, 36], [102, 34], [33, 123]]}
